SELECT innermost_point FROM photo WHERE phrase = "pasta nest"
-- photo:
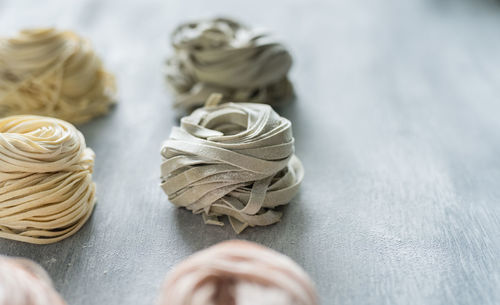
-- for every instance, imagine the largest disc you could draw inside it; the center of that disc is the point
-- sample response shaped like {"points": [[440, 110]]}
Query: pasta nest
{"points": [[234, 159], [46, 188], [224, 56], [24, 282], [53, 73]]}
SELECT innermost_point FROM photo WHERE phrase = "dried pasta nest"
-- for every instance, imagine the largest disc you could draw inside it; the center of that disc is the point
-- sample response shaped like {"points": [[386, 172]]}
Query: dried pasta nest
{"points": [[53, 73], [46, 188], [234, 159], [238, 272]]}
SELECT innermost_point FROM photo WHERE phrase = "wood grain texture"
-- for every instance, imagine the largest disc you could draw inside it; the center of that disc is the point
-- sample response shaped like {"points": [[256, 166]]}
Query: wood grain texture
{"points": [[396, 121]]}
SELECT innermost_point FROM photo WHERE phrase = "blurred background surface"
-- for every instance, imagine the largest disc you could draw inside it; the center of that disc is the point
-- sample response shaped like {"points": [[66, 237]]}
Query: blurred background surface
{"points": [[396, 121]]}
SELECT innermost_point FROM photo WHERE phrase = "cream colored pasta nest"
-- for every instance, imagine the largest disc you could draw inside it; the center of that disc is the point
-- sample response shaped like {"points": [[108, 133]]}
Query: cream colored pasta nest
{"points": [[53, 73], [224, 56], [238, 273], [46, 188], [23, 282], [234, 159]]}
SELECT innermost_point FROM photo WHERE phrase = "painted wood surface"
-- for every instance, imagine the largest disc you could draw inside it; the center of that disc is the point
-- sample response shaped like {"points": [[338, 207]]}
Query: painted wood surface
{"points": [[396, 121]]}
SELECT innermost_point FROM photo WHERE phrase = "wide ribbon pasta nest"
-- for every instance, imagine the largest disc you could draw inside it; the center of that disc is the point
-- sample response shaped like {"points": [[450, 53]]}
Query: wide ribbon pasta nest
{"points": [[224, 56], [234, 159]]}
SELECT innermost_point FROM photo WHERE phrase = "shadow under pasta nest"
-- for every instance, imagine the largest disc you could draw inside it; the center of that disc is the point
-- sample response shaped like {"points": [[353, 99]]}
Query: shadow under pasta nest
{"points": [[288, 108], [93, 130], [198, 235], [55, 255], [279, 106]]}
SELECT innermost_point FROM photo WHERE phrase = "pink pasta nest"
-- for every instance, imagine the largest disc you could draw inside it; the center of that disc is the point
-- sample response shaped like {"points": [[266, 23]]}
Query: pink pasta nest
{"points": [[238, 273]]}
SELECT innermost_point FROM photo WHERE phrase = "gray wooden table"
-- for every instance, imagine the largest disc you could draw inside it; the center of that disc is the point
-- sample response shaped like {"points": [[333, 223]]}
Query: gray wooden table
{"points": [[396, 121]]}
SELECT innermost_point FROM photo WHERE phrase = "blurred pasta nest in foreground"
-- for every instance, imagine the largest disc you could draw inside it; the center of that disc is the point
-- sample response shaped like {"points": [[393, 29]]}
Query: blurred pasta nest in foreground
{"points": [[224, 56], [239, 273], [53, 73], [24, 282]]}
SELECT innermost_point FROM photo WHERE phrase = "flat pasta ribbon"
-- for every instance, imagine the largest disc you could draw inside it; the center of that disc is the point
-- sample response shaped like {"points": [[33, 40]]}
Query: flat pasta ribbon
{"points": [[46, 188], [223, 56], [24, 282], [238, 272], [53, 73], [234, 159]]}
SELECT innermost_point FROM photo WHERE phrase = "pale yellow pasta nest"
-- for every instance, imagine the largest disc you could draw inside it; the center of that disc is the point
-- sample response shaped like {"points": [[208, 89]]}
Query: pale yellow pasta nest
{"points": [[53, 73], [46, 188]]}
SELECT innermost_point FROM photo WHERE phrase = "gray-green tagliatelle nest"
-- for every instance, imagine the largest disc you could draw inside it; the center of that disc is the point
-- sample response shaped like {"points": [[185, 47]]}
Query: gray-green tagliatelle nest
{"points": [[223, 56], [234, 159]]}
